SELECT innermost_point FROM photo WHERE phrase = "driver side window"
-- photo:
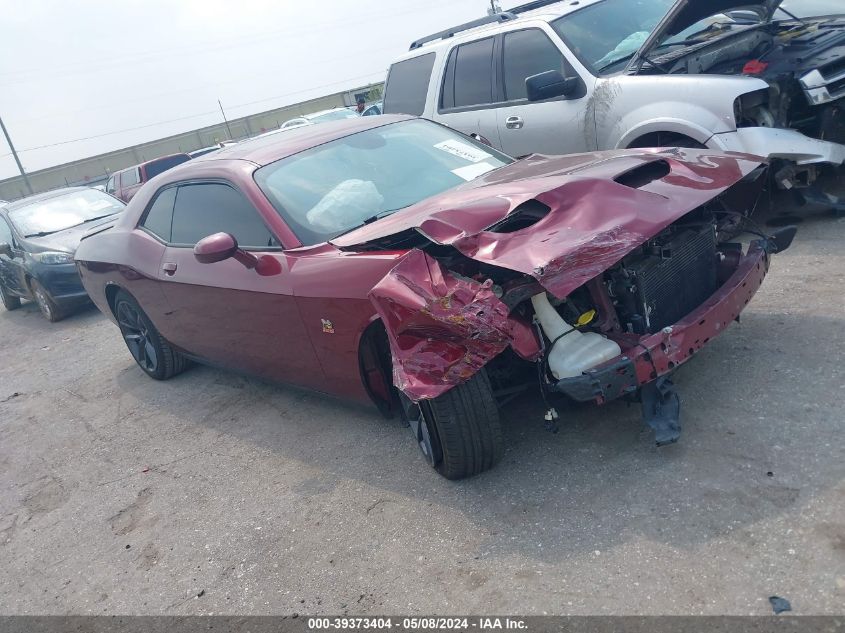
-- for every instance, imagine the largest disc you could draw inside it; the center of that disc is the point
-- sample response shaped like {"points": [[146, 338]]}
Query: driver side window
{"points": [[203, 209], [527, 53]]}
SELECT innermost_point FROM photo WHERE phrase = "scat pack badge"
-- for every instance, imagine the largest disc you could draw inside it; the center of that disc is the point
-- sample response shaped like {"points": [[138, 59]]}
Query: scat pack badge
{"points": [[328, 326]]}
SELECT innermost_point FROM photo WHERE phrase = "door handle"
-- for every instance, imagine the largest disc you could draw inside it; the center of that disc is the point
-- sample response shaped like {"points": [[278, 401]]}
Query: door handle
{"points": [[169, 268], [514, 123]]}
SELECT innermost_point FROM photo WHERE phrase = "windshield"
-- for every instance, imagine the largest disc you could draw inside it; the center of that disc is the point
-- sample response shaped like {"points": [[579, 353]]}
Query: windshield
{"points": [[335, 187], [63, 212], [160, 166], [605, 34], [810, 8]]}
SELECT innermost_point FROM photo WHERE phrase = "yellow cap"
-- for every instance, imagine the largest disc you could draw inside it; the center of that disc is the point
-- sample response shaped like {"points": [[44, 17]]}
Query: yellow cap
{"points": [[586, 318]]}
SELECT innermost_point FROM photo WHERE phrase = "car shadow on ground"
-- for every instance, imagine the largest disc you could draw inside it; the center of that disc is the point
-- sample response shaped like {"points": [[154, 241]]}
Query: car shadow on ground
{"points": [[30, 317], [742, 457]]}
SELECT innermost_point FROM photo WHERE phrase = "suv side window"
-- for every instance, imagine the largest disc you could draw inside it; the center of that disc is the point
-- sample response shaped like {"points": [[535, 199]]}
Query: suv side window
{"points": [[159, 217], [407, 85], [469, 75], [207, 208], [111, 185], [528, 53]]}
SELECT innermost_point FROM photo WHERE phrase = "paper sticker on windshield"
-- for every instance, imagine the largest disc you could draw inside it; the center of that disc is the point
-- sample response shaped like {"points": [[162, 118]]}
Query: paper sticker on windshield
{"points": [[470, 172], [463, 150], [97, 205]]}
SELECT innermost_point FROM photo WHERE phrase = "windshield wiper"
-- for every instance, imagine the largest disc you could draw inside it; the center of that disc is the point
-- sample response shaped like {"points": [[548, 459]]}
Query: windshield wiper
{"points": [[42, 233], [369, 220], [99, 217]]}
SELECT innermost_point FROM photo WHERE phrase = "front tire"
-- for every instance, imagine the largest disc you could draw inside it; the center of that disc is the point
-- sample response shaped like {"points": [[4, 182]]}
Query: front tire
{"points": [[460, 433], [151, 352], [9, 302], [49, 309]]}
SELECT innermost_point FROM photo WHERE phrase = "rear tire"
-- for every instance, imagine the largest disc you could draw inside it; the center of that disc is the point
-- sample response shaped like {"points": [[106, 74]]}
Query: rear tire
{"points": [[464, 429], [153, 354], [9, 302], [48, 307]]}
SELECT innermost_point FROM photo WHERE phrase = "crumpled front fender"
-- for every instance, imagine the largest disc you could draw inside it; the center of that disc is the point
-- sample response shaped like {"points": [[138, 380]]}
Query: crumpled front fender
{"points": [[442, 328]]}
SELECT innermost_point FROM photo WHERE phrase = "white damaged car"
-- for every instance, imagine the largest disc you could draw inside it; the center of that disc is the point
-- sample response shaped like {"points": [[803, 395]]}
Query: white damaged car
{"points": [[558, 77]]}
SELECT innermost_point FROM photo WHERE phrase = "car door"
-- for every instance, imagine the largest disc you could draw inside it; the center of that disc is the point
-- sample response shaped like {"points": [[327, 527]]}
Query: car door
{"points": [[11, 268], [554, 126], [468, 90], [224, 312]]}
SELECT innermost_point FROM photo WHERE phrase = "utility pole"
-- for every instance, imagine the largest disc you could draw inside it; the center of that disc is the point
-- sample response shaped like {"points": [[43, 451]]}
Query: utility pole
{"points": [[225, 120], [17, 160]]}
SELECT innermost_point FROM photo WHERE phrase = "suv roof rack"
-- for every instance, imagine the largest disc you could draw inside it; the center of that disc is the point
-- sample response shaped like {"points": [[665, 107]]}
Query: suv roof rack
{"points": [[530, 6], [442, 35]]}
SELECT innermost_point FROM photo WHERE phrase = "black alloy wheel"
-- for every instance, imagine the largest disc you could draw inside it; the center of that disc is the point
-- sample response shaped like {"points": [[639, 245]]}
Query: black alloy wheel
{"points": [[136, 334], [150, 350]]}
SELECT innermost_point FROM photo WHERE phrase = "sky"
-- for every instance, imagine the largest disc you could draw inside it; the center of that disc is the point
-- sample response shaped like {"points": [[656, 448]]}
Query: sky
{"points": [[122, 72]]}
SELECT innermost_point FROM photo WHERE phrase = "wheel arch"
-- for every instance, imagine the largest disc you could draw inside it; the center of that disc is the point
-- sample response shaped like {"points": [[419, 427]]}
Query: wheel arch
{"points": [[697, 133], [376, 369], [666, 139]]}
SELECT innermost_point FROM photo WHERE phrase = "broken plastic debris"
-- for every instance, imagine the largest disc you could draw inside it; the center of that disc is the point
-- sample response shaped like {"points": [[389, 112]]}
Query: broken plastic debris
{"points": [[779, 605]]}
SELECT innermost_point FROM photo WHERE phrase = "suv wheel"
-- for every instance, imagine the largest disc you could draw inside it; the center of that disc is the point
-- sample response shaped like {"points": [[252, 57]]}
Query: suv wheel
{"points": [[459, 433]]}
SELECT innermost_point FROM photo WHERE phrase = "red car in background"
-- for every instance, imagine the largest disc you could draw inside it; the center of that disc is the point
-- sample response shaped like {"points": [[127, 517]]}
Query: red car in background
{"points": [[394, 261], [125, 183]]}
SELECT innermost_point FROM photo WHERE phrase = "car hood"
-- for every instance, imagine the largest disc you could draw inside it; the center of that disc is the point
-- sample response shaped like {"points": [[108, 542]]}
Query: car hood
{"points": [[65, 241], [685, 13], [598, 207]]}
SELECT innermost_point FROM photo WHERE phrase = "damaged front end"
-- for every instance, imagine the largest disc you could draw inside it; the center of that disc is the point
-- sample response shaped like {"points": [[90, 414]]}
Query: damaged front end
{"points": [[798, 123], [599, 313]]}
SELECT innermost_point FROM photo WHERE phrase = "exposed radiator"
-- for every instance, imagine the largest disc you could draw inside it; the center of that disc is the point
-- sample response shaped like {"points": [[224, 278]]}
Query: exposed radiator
{"points": [[676, 277]]}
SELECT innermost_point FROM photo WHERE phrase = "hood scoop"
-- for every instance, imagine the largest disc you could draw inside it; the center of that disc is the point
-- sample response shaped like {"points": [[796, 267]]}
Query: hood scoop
{"points": [[525, 215], [645, 174]]}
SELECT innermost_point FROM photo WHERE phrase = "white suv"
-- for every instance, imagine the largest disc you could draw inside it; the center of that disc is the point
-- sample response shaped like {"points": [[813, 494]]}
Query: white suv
{"points": [[578, 75]]}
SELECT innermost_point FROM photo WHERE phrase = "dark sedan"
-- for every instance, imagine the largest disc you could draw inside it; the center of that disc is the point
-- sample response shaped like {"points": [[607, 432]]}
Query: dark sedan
{"points": [[38, 237]]}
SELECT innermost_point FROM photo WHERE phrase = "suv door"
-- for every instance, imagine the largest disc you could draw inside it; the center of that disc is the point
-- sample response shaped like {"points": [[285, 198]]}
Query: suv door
{"points": [[224, 312], [469, 90], [555, 126]]}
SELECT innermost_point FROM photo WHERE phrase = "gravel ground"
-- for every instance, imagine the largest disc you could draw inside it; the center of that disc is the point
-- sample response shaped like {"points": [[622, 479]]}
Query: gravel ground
{"points": [[213, 493]]}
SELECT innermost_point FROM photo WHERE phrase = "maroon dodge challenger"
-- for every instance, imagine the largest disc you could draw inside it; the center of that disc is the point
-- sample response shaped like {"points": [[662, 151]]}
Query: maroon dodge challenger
{"points": [[394, 261]]}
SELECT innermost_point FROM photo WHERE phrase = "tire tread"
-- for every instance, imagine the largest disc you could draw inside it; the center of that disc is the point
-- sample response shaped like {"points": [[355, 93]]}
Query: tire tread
{"points": [[469, 429]]}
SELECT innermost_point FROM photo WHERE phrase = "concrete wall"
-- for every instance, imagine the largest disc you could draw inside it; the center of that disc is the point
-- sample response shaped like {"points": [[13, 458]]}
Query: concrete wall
{"points": [[96, 169]]}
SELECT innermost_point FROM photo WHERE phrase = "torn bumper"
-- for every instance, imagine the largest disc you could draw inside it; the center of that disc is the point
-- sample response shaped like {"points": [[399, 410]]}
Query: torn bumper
{"points": [[659, 354], [777, 143]]}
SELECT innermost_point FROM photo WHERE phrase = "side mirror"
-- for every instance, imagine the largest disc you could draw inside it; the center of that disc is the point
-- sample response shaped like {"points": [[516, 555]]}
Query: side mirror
{"points": [[221, 246], [215, 248], [6, 249], [549, 84]]}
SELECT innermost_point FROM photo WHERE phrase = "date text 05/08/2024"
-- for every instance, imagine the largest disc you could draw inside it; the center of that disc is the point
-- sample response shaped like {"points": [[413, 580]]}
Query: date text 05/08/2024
{"points": [[416, 623]]}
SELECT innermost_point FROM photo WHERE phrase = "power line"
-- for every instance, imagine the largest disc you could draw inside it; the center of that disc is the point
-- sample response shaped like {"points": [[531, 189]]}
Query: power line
{"points": [[241, 77], [191, 116], [102, 65]]}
